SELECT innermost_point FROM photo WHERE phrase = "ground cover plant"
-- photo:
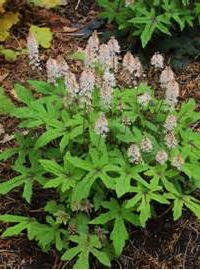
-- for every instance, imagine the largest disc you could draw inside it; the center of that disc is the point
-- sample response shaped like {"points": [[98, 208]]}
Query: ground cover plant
{"points": [[147, 18], [111, 152]]}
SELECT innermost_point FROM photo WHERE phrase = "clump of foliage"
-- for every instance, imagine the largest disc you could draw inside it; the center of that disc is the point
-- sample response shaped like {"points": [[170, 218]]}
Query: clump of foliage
{"points": [[110, 153], [147, 18]]}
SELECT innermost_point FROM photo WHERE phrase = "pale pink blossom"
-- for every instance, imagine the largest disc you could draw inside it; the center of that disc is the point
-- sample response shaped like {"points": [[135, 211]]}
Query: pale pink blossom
{"points": [[161, 157], [146, 145], [177, 162], [157, 60], [170, 122], [132, 64], [170, 140], [71, 84], [101, 126], [134, 154], [166, 76], [33, 52], [144, 99]]}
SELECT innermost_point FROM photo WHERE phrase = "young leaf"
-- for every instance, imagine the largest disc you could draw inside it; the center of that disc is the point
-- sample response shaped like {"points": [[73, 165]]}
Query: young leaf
{"points": [[86, 244], [43, 35], [119, 214]]}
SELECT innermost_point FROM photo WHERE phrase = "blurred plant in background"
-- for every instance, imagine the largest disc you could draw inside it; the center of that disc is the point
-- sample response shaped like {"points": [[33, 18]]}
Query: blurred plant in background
{"points": [[152, 17]]}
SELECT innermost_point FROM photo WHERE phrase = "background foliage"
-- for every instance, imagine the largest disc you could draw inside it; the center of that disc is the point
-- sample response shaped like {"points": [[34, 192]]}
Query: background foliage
{"points": [[152, 17]]}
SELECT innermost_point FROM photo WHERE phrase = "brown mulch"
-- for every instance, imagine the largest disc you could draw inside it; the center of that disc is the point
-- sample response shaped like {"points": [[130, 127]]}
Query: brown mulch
{"points": [[164, 244]]}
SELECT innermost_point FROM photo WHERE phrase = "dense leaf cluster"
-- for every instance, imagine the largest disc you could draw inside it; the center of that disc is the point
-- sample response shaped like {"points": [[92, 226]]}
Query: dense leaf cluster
{"points": [[100, 192], [147, 18]]}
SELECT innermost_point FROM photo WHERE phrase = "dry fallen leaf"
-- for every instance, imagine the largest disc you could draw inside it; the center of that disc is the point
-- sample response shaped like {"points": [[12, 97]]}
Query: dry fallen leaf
{"points": [[3, 76]]}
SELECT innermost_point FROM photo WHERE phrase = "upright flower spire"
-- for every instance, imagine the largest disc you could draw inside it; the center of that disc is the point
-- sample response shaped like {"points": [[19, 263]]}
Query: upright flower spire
{"points": [[101, 126], [114, 48], [132, 64], [87, 81], [134, 154], [56, 69], [104, 57], [107, 89], [33, 52], [161, 157], [71, 84], [171, 87], [92, 49], [157, 60]]}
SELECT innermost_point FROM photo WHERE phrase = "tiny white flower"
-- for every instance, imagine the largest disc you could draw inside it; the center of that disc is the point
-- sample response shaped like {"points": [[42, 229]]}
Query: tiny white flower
{"points": [[33, 52], [170, 122], [129, 2], [161, 157], [146, 145], [71, 84], [113, 46], [101, 126], [87, 81], [166, 76], [172, 93], [171, 140], [134, 154], [157, 60], [91, 49], [104, 57], [132, 64], [144, 99], [177, 162]]}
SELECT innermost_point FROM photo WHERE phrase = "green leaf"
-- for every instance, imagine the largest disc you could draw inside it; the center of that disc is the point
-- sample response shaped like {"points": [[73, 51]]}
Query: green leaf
{"points": [[8, 185], [43, 35], [102, 257], [24, 94], [82, 189], [86, 244], [70, 254], [47, 137], [147, 33], [133, 202], [64, 142], [52, 166], [119, 235], [177, 208], [8, 153], [6, 104], [15, 230], [145, 210], [13, 218], [119, 214], [28, 190]]}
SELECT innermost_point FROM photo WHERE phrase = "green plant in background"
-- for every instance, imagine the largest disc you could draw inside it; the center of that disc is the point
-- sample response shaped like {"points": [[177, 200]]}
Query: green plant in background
{"points": [[111, 154], [153, 17]]}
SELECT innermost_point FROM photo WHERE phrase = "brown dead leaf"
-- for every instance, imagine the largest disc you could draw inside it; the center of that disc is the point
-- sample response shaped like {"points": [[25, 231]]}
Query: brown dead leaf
{"points": [[3, 76]]}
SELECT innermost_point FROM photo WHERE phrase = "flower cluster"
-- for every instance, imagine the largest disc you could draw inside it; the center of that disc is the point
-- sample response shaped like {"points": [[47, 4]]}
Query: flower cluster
{"points": [[157, 60], [171, 87], [161, 157], [33, 52], [101, 126], [134, 154], [134, 151], [132, 65]]}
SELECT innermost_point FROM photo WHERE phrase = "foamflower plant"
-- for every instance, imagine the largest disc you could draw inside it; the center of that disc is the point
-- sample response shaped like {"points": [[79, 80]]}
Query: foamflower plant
{"points": [[112, 154]]}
